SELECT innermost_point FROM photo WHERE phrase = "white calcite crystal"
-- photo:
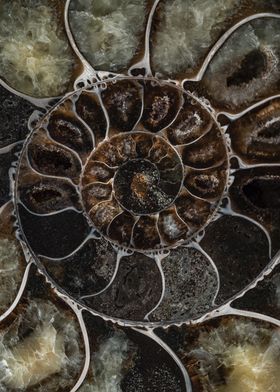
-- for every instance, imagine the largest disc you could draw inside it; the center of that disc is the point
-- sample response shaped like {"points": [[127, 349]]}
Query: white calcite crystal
{"points": [[108, 364], [38, 356], [185, 32], [246, 352], [254, 369], [107, 32], [10, 271], [35, 56], [49, 347]]}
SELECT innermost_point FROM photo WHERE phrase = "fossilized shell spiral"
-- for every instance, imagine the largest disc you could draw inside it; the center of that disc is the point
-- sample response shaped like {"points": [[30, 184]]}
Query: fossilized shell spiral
{"points": [[150, 183]]}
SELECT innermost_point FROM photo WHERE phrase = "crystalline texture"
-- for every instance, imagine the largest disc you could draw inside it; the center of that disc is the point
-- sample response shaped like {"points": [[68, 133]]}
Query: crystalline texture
{"points": [[107, 31], [108, 364], [10, 273], [186, 30], [246, 69], [35, 57], [240, 355], [35, 358], [40, 343]]}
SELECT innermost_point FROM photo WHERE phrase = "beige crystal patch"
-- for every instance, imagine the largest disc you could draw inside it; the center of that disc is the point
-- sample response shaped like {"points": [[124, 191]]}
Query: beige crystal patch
{"points": [[254, 369], [10, 271], [35, 358], [35, 56]]}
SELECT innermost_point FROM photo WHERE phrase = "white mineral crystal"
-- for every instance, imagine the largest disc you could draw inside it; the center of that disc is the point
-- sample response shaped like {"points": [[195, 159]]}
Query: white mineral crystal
{"points": [[10, 273], [35, 358], [108, 364], [49, 348], [107, 32], [186, 30], [35, 57], [254, 369], [248, 351]]}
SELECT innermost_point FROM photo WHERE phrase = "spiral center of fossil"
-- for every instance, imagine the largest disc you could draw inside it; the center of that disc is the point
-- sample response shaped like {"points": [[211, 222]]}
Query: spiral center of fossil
{"points": [[138, 173], [142, 175], [138, 187]]}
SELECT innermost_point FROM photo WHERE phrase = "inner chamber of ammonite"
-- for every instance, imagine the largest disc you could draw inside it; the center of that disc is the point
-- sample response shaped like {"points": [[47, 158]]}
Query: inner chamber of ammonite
{"points": [[142, 161], [145, 176]]}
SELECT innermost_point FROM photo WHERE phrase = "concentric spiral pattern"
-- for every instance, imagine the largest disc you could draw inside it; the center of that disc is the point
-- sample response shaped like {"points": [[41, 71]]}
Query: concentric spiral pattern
{"points": [[128, 161], [144, 165], [140, 216], [150, 183], [136, 185]]}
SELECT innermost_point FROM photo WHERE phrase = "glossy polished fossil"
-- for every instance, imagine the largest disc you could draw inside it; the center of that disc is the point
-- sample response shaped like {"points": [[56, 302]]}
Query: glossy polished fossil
{"points": [[149, 184], [139, 209]]}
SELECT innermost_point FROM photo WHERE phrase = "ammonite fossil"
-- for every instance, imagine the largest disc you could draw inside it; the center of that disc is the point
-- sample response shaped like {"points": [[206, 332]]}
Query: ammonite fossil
{"points": [[140, 195]]}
